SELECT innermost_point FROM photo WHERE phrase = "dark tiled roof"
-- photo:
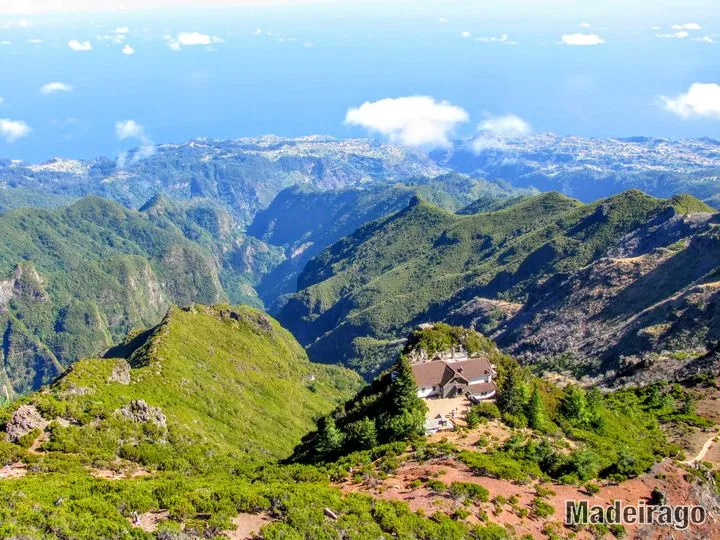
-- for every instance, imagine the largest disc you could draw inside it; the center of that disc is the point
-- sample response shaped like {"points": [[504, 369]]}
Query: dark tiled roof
{"points": [[472, 369], [482, 388], [439, 372], [429, 374]]}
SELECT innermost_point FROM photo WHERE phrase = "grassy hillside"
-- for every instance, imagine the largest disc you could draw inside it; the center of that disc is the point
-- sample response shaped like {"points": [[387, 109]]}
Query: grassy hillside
{"points": [[421, 263], [177, 434], [225, 378], [185, 433]]}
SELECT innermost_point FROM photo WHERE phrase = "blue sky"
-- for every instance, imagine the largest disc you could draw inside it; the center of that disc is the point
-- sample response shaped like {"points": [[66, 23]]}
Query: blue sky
{"points": [[296, 68]]}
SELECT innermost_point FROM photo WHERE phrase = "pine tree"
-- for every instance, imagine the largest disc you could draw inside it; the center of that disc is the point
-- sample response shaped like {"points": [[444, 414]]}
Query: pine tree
{"points": [[362, 434], [536, 410], [404, 389], [513, 392], [574, 404]]}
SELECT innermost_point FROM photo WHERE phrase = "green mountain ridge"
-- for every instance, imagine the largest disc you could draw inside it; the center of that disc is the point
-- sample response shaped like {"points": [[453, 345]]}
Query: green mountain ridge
{"points": [[220, 375], [304, 220], [422, 264]]}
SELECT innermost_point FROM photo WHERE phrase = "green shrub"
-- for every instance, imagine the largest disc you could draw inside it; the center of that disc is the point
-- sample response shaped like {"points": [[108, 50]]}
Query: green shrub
{"points": [[541, 509]]}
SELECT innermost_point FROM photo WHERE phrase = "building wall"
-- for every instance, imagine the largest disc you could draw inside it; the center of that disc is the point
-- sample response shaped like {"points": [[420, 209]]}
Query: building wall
{"points": [[426, 392]]}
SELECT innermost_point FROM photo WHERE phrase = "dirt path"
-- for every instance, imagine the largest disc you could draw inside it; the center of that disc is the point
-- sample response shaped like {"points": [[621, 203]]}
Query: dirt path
{"points": [[704, 450], [16, 470], [248, 526]]}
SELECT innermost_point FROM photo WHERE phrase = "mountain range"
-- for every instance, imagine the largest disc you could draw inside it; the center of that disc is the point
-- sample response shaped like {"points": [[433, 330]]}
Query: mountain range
{"points": [[553, 280], [352, 242], [590, 169]]}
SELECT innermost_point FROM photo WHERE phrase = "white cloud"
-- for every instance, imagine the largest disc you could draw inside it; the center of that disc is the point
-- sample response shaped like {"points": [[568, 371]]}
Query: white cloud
{"points": [[53, 87], [191, 39], [6, 42], [258, 31], [494, 131], [35, 41], [656, 28], [411, 120], [128, 50], [130, 129], [682, 34], [121, 30], [76, 45], [308, 44], [705, 39], [687, 26], [585, 25], [701, 99], [20, 23], [465, 34], [508, 126], [504, 39], [115, 38], [12, 130], [579, 39], [442, 20]]}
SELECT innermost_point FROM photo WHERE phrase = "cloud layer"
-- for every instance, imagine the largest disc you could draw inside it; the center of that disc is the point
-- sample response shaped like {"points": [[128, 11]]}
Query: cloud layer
{"points": [[411, 120], [12, 130], [701, 100]]}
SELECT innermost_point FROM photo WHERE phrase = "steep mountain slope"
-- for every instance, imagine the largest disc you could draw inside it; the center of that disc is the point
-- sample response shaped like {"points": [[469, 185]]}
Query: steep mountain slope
{"points": [[222, 377], [644, 311], [593, 168], [76, 279], [305, 220], [244, 175], [422, 264], [242, 259]]}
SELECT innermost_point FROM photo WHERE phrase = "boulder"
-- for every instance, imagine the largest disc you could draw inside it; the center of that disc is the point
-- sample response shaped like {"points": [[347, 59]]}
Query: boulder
{"points": [[139, 411], [25, 419]]}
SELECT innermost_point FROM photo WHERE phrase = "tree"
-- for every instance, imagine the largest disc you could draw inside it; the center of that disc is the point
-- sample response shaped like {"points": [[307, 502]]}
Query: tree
{"points": [[574, 404], [405, 418], [329, 438], [362, 434], [403, 390], [513, 392], [536, 410]]}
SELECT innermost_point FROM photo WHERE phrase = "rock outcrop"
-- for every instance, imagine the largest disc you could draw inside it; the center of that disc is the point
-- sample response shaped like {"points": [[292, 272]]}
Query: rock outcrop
{"points": [[24, 420], [139, 411]]}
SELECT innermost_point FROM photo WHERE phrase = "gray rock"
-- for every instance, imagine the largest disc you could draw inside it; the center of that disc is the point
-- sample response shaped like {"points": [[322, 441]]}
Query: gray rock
{"points": [[25, 419], [121, 373], [139, 411]]}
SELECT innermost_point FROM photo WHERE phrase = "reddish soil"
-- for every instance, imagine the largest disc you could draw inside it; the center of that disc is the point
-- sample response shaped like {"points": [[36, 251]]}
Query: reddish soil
{"points": [[248, 526], [16, 470], [670, 482]]}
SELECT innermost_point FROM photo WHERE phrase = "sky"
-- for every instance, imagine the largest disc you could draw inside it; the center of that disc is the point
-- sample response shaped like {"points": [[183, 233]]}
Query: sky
{"points": [[83, 78]]}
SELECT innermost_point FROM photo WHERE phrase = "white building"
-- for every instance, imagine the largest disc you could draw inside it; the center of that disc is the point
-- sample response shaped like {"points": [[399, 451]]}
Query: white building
{"points": [[444, 379]]}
